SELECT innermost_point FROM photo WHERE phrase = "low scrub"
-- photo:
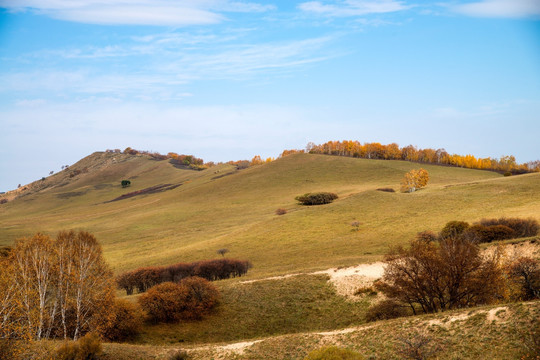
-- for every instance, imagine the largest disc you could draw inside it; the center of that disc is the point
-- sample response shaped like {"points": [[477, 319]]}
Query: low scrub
{"points": [[86, 348], [144, 278], [169, 302], [385, 310], [319, 198], [386, 190], [122, 322]]}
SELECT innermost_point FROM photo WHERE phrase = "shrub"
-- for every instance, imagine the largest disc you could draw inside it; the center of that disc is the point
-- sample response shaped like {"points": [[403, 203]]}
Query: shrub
{"points": [[179, 355], [426, 236], [218, 269], [125, 183], [281, 211], [3, 201], [386, 189], [508, 173], [123, 321], [486, 234], [319, 198], [333, 353], [384, 310], [162, 302], [192, 298], [437, 276], [86, 348], [198, 297], [525, 273], [522, 227], [416, 346], [453, 229]]}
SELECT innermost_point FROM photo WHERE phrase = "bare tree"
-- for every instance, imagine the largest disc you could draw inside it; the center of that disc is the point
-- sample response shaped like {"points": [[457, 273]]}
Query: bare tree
{"points": [[222, 252]]}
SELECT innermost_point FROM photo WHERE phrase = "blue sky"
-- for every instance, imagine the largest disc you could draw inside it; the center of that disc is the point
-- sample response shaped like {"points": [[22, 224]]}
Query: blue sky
{"points": [[230, 79]]}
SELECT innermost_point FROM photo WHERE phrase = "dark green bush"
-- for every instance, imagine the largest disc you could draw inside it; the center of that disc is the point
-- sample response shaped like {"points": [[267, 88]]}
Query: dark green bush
{"points": [[453, 229], [319, 198], [384, 310], [333, 353]]}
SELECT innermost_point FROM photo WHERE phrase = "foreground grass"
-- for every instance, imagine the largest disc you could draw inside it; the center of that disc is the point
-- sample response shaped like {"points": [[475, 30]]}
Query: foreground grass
{"points": [[265, 308], [493, 332]]}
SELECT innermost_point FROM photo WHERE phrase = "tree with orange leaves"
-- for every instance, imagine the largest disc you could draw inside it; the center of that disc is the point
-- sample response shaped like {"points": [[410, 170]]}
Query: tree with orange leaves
{"points": [[414, 180]]}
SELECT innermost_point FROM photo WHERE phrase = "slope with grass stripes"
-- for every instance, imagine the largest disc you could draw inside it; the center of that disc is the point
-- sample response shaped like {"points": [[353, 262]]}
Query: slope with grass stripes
{"points": [[194, 213]]}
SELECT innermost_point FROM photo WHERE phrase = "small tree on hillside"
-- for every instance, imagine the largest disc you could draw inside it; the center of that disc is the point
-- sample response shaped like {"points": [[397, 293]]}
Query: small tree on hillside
{"points": [[414, 180], [437, 276]]}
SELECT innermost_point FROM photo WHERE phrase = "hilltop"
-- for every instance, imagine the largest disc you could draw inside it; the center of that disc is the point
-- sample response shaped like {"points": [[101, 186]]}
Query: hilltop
{"points": [[178, 214]]}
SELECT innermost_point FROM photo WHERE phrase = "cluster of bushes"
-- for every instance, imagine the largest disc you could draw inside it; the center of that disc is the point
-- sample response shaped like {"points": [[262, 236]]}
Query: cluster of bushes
{"points": [[190, 299], [144, 278], [488, 230], [318, 198]]}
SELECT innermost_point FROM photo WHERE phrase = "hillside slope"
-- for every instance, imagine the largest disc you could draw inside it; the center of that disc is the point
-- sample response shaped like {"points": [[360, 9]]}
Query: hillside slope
{"points": [[222, 207]]}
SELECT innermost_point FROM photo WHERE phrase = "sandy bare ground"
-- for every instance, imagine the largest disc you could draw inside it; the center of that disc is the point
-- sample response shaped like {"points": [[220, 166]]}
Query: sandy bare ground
{"points": [[346, 280]]}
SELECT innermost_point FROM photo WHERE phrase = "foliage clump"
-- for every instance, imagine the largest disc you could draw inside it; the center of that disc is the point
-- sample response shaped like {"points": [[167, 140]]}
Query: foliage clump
{"points": [[142, 279], [438, 276], [414, 180], [86, 348], [54, 288], [488, 230], [319, 198], [170, 302], [122, 322], [385, 310]]}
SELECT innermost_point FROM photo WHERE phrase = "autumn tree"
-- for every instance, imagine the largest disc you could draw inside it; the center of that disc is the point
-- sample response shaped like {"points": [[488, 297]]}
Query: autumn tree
{"points": [[56, 287], [437, 276], [414, 180]]}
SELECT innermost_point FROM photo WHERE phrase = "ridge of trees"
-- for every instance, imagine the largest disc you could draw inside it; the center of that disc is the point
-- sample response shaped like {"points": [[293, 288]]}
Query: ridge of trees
{"points": [[144, 278], [375, 150]]}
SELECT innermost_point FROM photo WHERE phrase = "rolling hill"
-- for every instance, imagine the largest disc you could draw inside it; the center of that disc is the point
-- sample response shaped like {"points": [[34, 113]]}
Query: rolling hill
{"points": [[172, 214]]}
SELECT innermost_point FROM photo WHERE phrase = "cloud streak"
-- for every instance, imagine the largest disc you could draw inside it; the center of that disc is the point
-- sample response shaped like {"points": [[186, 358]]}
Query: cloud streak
{"points": [[346, 8], [500, 8], [135, 12]]}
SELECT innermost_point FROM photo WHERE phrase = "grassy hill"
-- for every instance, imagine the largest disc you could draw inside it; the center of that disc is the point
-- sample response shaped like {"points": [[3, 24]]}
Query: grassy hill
{"points": [[222, 207]]}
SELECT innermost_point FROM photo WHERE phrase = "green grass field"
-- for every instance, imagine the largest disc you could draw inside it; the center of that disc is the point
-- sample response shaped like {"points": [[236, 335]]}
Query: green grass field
{"points": [[222, 207], [225, 208]]}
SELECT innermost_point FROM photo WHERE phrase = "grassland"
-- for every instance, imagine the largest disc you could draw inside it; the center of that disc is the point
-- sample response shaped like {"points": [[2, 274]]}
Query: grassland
{"points": [[493, 332], [225, 208]]}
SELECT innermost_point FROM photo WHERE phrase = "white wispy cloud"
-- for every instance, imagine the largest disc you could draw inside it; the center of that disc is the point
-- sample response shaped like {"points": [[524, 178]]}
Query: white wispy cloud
{"points": [[164, 75], [346, 8], [135, 12], [499, 8]]}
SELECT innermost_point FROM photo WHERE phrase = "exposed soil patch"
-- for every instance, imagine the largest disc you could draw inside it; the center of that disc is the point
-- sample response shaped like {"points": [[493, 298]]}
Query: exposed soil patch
{"points": [[346, 280], [150, 190]]}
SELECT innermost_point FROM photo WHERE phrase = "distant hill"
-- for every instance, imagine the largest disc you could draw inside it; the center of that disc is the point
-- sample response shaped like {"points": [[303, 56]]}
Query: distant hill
{"points": [[171, 214]]}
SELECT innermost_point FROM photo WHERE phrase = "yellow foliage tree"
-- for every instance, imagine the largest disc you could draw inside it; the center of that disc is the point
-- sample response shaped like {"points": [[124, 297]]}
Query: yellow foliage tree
{"points": [[414, 180]]}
